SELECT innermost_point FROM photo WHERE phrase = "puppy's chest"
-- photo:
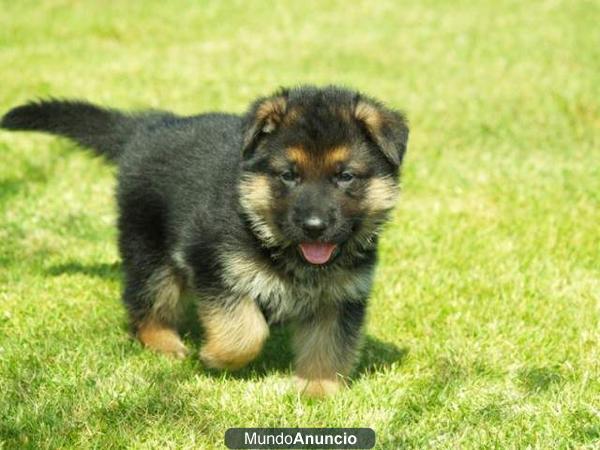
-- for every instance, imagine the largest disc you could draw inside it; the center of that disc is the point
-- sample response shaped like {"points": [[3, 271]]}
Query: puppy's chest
{"points": [[289, 297]]}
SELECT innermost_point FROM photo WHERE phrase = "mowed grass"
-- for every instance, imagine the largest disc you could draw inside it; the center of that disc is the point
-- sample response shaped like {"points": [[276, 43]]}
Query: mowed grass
{"points": [[484, 325]]}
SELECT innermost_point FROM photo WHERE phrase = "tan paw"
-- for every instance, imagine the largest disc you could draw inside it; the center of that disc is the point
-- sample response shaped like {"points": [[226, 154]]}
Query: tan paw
{"points": [[162, 339], [218, 358], [318, 388], [233, 336]]}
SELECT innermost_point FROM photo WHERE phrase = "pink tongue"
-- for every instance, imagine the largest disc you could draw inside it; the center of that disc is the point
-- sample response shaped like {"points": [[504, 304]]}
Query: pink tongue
{"points": [[317, 253]]}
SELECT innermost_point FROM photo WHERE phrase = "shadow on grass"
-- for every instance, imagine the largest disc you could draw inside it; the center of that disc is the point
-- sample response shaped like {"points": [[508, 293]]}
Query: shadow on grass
{"points": [[539, 379], [161, 399], [9, 188], [275, 357], [377, 355], [164, 400], [107, 271]]}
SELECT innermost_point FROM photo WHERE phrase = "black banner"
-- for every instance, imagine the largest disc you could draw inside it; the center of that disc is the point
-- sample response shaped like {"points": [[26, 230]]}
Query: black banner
{"points": [[300, 438]]}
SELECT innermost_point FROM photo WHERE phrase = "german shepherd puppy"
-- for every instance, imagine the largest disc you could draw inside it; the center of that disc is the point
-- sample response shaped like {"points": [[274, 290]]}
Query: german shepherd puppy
{"points": [[265, 217]]}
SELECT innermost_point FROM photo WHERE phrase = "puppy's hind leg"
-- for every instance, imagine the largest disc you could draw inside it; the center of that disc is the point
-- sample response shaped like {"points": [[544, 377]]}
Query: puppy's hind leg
{"points": [[154, 306], [152, 284]]}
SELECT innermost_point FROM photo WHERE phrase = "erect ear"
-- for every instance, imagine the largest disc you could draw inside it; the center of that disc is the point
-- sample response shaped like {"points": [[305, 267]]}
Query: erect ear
{"points": [[264, 116], [386, 127]]}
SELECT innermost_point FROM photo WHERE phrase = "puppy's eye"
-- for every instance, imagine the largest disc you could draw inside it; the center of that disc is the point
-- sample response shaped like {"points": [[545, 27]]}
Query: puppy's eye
{"points": [[289, 177], [344, 178]]}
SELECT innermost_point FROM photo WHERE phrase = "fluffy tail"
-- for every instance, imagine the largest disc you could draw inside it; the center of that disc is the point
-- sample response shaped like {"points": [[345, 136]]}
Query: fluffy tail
{"points": [[106, 131]]}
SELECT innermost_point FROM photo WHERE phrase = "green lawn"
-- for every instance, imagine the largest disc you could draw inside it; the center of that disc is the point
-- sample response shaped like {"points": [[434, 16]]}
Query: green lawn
{"points": [[484, 327]]}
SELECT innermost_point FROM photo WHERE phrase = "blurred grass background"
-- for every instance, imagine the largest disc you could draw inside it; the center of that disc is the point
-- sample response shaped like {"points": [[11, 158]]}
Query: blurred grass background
{"points": [[484, 327]]}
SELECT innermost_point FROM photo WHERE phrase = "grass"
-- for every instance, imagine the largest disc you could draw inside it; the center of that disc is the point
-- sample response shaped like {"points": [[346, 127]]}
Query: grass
{"points": [[484, 329]]}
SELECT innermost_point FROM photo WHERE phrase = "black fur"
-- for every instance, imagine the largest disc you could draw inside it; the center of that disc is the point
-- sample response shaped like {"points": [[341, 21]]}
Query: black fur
{"points": [[106, 131], [181, 219]]}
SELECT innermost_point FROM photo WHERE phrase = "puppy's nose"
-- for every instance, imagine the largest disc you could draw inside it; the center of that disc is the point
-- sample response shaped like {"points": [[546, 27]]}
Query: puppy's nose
{"points": [[314, 226]]}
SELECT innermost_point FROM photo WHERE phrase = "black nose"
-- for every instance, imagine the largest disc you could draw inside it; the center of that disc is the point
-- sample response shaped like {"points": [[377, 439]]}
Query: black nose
{"points": [[314, 226]]}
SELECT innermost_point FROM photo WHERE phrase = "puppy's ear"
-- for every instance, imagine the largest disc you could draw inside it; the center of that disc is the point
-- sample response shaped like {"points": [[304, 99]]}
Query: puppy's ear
{"points": [[263, 118], [387, 128]]}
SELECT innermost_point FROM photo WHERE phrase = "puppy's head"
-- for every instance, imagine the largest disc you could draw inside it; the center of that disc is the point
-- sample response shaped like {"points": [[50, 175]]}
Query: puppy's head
{"points": [[320, 169]]}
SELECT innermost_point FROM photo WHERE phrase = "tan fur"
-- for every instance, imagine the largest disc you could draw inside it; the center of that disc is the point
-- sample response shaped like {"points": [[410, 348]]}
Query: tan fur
{"points": [[320, 364], [381, 195], [234, 334], [164, 290], [157, 330], [292, 115], [370, 115], [256, 199], [271, 111], [246, 275], [161, 338], [334, 156], [251, 277], [256, 192], [300, 157], [318, 165], [318, 388]]}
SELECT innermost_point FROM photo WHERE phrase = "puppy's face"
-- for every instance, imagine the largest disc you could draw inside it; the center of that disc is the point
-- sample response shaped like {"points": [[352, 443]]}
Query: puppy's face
{"points": [[320, 170]]}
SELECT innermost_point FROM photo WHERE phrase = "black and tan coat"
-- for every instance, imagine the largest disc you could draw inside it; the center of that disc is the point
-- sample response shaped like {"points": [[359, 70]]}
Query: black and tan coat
{"points": [[268, 217]]}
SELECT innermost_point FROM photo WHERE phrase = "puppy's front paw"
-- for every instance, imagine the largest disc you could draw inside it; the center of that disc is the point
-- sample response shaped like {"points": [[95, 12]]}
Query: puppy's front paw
{"points": [[162, 339], [219, 357], [319, 387], [217, 360]]}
